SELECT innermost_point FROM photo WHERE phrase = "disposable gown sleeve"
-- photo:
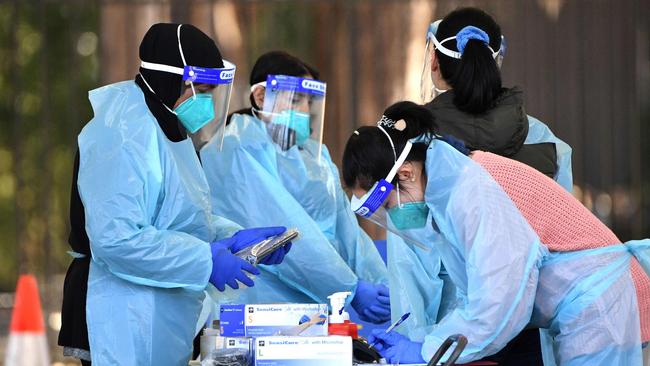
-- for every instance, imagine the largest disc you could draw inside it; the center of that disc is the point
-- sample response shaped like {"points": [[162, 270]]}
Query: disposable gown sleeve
{"points": [[120, 185], [500, 253], [415, 286], [538, 132], [256, 197], [225, 227], [353, 244]]}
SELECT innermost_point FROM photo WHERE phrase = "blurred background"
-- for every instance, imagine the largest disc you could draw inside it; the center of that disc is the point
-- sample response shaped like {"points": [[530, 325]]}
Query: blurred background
{"points": [[584, 66]]}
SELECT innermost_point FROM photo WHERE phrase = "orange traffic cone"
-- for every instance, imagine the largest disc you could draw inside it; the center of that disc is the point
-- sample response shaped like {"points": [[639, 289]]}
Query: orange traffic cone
{"points": [[27, 343]]}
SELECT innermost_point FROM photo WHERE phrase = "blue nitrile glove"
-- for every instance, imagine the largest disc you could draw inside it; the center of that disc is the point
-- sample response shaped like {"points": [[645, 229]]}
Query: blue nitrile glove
{"points": [[383, 341], [404, 352], [276, 257], [305, 319], [247, 237], [228, 268], [372, 302]]}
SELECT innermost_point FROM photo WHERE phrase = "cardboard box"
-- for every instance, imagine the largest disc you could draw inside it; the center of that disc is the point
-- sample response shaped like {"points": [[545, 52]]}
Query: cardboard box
{"points": [[286, 320], [231, 320], [300, 351], [209, 343]]}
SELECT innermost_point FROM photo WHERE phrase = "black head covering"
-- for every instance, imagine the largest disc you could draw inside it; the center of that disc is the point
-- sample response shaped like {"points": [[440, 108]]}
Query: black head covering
{"points": [[160, 45]]}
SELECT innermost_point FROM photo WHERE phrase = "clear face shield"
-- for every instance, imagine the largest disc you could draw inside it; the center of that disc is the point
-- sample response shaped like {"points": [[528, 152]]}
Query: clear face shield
{"points": [[203, 114], [294, 109], [221, 79], [374, 205], [428, 91]]}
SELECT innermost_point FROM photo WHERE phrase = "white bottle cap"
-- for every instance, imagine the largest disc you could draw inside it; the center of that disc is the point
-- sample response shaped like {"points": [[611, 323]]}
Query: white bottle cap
{"points": [[337, 304]]}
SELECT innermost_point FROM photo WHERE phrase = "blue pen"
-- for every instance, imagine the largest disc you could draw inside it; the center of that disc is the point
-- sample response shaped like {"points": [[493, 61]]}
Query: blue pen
{"points": [[393, 326]]}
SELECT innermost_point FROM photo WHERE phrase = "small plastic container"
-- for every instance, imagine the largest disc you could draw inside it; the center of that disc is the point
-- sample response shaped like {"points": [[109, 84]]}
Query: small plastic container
{"points": [[347, 328], [339, 321]]}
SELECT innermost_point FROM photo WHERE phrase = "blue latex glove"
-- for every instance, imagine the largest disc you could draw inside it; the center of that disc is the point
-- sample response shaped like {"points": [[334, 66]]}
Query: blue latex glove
{"points": [[372, 302], [404, 352], [383, 341], [247, 237], [227, 268]]}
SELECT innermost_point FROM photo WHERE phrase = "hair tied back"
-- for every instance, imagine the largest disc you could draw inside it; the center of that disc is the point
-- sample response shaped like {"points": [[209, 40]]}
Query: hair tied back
{"points": [[468, 33], [386, 122]]}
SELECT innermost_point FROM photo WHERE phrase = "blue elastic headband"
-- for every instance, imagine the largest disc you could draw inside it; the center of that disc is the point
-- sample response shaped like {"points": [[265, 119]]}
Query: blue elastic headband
{"points": [[470, 32]]}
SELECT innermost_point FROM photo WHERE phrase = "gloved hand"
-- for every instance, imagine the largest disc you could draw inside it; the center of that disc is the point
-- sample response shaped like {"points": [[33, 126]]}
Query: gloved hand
{"points": [[305, 319], [227, 268], [383, 341], [372, 302], [404, 352], [276, 257], [247, 237]]}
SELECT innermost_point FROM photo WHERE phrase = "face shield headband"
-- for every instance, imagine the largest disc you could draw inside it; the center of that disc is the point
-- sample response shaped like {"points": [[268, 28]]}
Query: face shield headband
{"points": [[193, 74], [462, 37], [367, 205]]}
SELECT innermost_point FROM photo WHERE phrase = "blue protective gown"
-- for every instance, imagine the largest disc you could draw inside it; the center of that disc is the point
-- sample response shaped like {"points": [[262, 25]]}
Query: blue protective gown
{"points": [[506, 279], [149, 221], [407, 284], [255, 183], [538, 133]]}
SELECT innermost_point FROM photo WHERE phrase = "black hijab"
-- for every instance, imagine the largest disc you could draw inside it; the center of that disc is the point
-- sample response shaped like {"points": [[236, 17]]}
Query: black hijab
{"points": [[160, 45]]}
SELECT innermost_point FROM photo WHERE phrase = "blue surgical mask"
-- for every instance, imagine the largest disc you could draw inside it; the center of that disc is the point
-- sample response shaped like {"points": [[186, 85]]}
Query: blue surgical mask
{"points": [[411, 215], [297, 121], [196, 112]]}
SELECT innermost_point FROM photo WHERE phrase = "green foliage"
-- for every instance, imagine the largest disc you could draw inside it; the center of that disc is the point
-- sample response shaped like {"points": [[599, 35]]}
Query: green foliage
{"points": [[288, 26], [44, 83], [43, 95]]}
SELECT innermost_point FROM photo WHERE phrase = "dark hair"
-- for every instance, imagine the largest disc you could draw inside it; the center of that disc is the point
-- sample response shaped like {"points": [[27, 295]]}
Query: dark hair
{"points": [[475, 78], [275, 63], [368, 155], [312, 71]]}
